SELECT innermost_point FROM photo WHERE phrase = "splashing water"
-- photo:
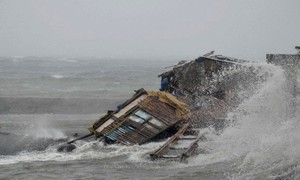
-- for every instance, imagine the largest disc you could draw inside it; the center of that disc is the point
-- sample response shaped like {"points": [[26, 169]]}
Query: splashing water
{"points": [[42, 128], [84, 151], [264, 141], [29, 133]]}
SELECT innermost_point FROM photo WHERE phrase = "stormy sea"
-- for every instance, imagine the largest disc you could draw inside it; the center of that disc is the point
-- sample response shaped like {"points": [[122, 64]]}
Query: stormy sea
{"points": [[44, 101]]}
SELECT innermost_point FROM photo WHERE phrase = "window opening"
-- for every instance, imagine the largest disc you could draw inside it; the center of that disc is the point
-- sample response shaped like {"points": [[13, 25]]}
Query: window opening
{"points": [[143, 115]]}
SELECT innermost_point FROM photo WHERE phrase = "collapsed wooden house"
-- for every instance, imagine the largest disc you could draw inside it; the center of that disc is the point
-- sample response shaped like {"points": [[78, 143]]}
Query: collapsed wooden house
{"points": [[141, 118], [194, 94], [210, 86], [146, 116], [154, 114]]}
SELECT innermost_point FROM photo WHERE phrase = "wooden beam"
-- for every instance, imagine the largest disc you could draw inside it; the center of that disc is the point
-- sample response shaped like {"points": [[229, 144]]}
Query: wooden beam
{"points": [[159, 152]]}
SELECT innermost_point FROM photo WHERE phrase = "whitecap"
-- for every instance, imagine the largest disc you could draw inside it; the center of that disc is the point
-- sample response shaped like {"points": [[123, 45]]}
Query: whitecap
{"points": [[69, 60], [57, 76]]}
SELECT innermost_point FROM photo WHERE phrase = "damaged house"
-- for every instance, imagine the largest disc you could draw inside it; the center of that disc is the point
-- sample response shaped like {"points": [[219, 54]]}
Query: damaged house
{"points": [[212, 84], [194, 94], [141, 118]]}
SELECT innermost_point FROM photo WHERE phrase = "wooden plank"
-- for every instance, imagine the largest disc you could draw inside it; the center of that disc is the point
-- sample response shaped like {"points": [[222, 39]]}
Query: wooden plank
{"points": [[159, 152], [130, 106], [190, 150]]}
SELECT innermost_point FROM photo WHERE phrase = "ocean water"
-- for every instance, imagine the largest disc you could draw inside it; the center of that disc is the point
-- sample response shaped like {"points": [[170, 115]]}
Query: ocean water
{"points": [[44, 101]]}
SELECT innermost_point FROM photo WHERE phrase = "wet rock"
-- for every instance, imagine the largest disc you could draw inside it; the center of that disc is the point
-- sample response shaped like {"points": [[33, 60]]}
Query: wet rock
{"points": [[66, 148]]}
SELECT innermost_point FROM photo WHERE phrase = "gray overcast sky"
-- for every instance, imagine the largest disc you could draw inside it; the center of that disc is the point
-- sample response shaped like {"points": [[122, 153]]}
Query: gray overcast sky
{"points": [[148, 28]]}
